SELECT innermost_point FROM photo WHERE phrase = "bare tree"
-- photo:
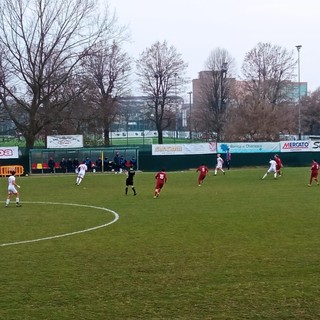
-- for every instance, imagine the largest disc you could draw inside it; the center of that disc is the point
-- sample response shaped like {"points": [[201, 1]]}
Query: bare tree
{"points": [[258, 122], [267, 69], [214, 94], [310, 113], [42, 44], [108, 68], [264, 100], [161, 69]]}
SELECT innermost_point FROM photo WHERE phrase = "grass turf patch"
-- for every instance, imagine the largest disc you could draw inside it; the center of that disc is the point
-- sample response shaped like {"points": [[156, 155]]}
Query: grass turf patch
{"points": [[237, 247]]}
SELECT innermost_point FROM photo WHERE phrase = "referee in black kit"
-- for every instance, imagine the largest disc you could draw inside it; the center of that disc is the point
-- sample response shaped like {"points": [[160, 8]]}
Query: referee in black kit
{"points": [[129, 181]]}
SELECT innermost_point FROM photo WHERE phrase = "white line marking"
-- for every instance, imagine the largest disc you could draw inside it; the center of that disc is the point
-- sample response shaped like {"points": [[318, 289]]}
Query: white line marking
{"points": [[116, 217]]}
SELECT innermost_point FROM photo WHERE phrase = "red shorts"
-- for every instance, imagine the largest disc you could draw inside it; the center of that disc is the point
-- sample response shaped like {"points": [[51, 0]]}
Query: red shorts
{"points": [[314, 174], [159, 185]]}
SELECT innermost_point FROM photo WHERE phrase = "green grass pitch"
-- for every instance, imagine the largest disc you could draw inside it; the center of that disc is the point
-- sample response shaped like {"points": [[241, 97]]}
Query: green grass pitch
{"points": [[237, 247]]}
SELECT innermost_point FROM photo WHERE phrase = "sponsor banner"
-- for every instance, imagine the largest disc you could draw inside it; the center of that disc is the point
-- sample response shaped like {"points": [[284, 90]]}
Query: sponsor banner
{"points": [[183, 149], [314, 145], [9, 152], [67, 141], [249, 147], [296, 146]]}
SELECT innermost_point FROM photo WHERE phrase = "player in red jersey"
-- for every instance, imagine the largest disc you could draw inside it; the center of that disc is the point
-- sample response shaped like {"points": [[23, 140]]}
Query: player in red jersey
{"points": [[203, 170], [161, 177], [314, 172], [279, 165]]}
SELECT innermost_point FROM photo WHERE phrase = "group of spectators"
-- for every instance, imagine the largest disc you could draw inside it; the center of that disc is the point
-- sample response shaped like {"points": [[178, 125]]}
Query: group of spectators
{"points": [[117, 164], [120, 164]]}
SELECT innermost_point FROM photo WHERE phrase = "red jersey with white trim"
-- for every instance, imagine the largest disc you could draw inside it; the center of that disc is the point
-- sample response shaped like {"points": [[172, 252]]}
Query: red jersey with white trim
{"points": [[161, 178], [203, 170]]}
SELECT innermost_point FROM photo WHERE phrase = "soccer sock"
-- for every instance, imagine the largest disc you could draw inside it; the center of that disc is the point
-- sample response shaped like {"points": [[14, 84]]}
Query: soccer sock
{"points": [[134, 190], [215, 172], [7, 202], [264, 175], [275, 175], [126, 190], [17, 200]]}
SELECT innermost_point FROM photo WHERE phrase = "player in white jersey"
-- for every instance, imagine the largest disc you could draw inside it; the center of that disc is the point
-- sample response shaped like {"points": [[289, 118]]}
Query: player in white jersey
{"points": [[272, 168], [219, 165], [82, 168], [12, 189]]}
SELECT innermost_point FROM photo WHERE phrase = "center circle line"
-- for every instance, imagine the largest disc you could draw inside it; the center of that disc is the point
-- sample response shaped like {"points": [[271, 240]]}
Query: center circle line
{"points": [[116, 217]]}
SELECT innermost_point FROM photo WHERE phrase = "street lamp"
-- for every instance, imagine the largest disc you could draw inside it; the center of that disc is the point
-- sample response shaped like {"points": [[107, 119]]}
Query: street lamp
{"points": [[176, 135], [299, 92], [190, 129]]}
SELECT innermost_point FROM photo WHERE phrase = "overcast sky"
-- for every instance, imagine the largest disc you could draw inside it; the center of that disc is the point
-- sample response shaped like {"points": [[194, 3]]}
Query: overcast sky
{"points": [[196, 27]]}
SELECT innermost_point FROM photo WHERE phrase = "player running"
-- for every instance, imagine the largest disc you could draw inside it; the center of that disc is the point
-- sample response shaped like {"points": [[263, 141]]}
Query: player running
{"points": [[279, 164], [219, 165], [314, 172], [203, 170], [272, 168], [12, 189], [82, 168], [161, 177]]}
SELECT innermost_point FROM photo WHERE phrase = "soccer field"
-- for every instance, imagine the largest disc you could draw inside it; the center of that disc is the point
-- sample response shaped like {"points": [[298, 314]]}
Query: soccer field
{"points": [[237, 247]]}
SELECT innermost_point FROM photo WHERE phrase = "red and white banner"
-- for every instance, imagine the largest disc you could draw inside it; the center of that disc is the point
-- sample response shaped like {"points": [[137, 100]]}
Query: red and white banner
{"points": [[9, 152], [296, 146]]}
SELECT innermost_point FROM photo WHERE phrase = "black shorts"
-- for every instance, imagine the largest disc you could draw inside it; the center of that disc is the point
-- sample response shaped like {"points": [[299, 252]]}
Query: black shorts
{"points": [[129, 182]]}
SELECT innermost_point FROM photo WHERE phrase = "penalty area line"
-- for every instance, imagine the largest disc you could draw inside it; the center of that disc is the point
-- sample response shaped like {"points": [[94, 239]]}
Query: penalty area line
{"points": [[116, 217]]}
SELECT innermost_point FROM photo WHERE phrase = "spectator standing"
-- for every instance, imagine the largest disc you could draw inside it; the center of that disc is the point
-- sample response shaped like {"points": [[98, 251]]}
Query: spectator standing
{"points": [[75, 163], [314, 172], [228, 158], [99, 164], [88, 163], [117, 163], [51, 165], [63, 165], [134, 162], [70, 165], [106, 164]]}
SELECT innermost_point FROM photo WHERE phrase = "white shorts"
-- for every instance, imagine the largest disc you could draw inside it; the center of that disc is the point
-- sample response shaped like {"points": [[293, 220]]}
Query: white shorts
{"points": [[81, 175], [12, 189]]}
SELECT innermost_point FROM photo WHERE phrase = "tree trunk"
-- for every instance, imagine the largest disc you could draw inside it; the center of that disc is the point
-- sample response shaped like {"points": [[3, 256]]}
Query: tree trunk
{"points": [[30, 139], [106, 137], [160, 136]]}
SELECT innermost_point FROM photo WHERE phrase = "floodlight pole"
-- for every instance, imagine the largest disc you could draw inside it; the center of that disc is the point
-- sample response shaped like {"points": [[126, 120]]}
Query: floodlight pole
{"points": [[299, 92]]}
